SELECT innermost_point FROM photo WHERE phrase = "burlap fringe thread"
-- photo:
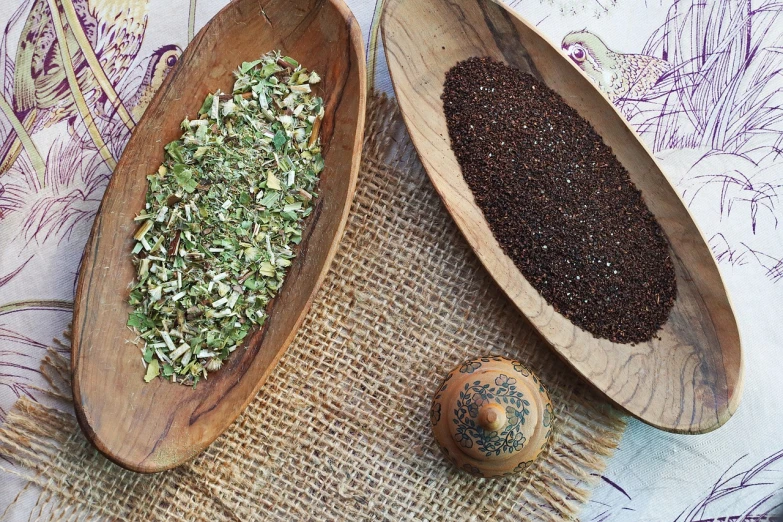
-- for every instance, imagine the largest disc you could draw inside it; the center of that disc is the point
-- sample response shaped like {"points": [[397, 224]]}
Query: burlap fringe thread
{"points": [[405, 301]]}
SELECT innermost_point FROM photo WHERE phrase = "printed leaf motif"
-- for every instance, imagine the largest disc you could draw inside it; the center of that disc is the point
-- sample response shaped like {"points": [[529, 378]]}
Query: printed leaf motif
{"points": [[8, 277], [475, 395]]}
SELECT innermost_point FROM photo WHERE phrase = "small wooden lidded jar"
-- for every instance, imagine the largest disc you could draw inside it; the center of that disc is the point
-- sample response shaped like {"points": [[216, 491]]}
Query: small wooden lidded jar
{"points": [[492, 417]]}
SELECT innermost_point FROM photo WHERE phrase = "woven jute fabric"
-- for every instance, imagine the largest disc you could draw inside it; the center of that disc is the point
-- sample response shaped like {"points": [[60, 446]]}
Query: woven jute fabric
{"points": [[341, 430]]}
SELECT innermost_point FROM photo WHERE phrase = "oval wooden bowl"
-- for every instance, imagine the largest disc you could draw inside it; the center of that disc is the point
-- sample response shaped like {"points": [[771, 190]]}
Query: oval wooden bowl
{"points": [[690, 380], [156, 426]]}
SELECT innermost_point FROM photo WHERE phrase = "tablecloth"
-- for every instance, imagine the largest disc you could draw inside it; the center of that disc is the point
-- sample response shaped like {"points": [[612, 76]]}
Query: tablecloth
{"points": [[713, 118]]}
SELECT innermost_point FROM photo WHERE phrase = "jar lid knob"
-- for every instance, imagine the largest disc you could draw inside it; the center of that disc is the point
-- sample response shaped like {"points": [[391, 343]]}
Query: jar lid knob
{"points": [[491, 416]]}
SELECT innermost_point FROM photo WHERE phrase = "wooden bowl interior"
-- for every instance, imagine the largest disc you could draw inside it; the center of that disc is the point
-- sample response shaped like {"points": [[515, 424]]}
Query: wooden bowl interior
{"points": [[687, 381], [150, 427]]}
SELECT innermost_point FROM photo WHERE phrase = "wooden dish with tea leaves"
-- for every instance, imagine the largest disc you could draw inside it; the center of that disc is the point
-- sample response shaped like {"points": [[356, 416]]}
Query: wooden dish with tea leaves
{"points": [[150, 427], [686, 380]]}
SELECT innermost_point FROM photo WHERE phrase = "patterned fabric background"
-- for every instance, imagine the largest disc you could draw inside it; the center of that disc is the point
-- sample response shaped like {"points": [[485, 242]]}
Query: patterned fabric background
{"points": [[701, 80]]}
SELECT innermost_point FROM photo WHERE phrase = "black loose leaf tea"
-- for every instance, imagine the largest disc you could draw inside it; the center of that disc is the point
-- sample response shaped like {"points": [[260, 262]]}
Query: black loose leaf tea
{"points": [[560, 204]]}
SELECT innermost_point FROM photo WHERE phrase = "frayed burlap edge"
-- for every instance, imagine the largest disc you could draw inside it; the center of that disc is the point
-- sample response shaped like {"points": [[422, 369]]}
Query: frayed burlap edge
{"points": [[340, 431]]}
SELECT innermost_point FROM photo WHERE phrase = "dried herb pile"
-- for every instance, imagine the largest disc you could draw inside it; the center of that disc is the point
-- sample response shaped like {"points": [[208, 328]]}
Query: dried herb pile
{"points": [[222, 216], [560, 204]]}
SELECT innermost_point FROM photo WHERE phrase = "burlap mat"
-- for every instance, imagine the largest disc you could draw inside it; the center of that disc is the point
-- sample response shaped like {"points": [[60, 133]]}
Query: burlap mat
{"points": [[340, 431]]}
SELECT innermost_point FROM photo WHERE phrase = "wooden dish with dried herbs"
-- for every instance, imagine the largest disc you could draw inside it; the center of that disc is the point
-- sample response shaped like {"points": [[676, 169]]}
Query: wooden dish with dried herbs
{"points": [[222, 217], [232, 228]]}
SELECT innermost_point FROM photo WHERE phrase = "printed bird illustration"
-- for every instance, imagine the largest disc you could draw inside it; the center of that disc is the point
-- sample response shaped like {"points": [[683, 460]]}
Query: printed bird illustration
{"points": [[156, 69], [42, 94], [136, 90], [620, 76]]}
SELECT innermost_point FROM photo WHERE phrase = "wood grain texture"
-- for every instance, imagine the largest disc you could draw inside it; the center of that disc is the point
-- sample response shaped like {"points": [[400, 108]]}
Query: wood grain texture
{"points": [[689, 380], [156, 426]]}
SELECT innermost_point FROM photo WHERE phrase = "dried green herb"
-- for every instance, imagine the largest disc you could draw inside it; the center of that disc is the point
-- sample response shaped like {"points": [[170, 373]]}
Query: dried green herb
{"points": [[221, 217]]}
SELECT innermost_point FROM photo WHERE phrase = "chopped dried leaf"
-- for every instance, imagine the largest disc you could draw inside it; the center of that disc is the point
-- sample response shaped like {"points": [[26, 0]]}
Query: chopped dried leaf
{"points": [[222, 216], [153, 370]]}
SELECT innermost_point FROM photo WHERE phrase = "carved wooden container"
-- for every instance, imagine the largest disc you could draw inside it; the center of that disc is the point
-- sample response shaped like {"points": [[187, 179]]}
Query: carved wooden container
{"points": [[492, 417]]}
